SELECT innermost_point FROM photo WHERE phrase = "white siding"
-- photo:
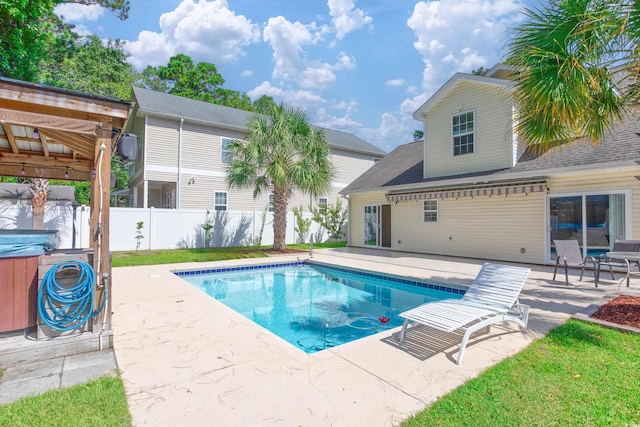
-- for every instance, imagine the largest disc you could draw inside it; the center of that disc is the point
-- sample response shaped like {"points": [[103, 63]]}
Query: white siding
{"points": [[200, 159], [162, 142], [493, 131], [349, 165], [495, 228]]}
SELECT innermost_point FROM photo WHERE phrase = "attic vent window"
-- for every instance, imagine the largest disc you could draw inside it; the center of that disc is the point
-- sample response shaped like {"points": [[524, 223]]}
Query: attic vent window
{"points": [[463, 133]]}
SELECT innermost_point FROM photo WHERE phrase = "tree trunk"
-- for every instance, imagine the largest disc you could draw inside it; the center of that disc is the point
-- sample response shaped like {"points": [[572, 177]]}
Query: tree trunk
{"points": [[39, 189], [280, 201]]}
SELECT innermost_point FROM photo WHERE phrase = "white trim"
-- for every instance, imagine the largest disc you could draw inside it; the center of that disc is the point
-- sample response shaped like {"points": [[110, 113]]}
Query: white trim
{"points": [[186, 171]]}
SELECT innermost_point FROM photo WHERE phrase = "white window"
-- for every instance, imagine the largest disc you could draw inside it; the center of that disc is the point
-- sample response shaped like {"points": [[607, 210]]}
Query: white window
{"points": [[322, 204], [225, 153], [463, 133], [270, 202], [220, 201], [431, 210]]}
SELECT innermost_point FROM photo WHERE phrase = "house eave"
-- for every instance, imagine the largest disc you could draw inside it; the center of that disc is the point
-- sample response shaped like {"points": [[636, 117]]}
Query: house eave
{"points": [[500, 178], [146, 112]]}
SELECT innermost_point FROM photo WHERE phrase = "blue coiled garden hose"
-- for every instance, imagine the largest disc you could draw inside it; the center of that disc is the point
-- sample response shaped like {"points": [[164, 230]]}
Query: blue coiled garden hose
{"points": [[65, 308]]}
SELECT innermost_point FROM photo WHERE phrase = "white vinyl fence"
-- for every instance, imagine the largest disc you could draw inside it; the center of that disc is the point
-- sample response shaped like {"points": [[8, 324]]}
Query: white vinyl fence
{"points": [[161, 228]]}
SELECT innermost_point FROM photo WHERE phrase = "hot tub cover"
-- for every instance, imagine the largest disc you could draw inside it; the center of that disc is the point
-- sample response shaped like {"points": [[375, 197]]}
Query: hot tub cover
{"points": [[23, 243]]}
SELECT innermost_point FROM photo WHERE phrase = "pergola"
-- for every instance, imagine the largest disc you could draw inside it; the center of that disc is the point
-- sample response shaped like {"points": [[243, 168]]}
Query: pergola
{"points": [[53, 133]]}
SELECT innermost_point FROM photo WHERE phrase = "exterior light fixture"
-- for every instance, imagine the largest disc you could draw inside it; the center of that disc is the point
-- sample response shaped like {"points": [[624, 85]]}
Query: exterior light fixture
{"points": [[22, 172], [66, 173], [36, 134]]}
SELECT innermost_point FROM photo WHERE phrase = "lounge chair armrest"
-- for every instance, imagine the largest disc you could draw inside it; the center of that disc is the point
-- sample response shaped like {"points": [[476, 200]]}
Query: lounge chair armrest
{"points": [[521, 311]]}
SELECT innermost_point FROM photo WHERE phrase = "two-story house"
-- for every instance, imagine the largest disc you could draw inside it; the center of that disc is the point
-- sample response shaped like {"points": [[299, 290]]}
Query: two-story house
{"points": [[182, 161], [472, 188]]}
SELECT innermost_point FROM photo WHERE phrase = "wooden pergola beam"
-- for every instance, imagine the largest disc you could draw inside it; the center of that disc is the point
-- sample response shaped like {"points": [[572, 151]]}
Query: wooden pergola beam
{"points": [[10, 138], [43, 121], [60, 102], [79, 143]]}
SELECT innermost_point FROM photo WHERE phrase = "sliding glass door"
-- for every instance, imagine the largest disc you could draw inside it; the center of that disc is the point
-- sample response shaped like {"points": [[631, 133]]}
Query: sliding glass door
{"points": [[594, 220]]}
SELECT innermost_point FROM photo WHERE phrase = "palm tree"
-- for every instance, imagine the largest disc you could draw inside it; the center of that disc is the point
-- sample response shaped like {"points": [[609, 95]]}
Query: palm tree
{"points": [[283, 152], [568, 55], [39, 188]]}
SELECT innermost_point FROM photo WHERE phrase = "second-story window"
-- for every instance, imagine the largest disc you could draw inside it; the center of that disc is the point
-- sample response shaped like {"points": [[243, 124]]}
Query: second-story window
{"points": [[463, 133], [220, 201], [270, 202], [225, 153]]}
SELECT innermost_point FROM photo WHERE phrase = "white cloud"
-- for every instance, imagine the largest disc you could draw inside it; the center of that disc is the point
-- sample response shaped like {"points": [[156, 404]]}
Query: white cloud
{"points": [[460, 35], [451, 36], [246, 73], [345, 62], [79, 12], [394, 82], [300, 98], [288, 40], [206, 31], [326, 120], [395, 129], [345, 18]]}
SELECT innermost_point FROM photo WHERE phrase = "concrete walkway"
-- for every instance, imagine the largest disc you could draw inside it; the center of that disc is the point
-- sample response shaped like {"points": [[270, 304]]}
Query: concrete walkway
{"points": [[186, 359]]}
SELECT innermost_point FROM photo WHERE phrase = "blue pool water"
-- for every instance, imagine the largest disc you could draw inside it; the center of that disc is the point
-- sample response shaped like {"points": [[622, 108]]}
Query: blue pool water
{"points": [[315, 306]]}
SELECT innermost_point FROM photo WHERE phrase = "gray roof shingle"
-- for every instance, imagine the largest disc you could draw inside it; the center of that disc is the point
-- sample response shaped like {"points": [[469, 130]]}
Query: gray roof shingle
{"points": [[160, 103]]}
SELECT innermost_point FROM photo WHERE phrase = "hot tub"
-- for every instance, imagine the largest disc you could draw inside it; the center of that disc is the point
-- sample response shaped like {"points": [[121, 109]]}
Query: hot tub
{"points": [[20, 251], [23, 243]]}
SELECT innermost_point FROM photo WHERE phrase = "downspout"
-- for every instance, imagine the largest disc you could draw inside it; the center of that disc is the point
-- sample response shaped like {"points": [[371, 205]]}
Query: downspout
{"points": [[349, 219], [145, 184], [179, 185]]}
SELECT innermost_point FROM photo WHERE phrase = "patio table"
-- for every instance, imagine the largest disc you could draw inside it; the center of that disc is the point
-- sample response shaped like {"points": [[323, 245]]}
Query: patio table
{"points": [[628, 258]]}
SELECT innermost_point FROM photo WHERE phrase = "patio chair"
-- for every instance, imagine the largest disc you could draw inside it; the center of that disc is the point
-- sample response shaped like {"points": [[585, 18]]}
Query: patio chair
{"points": [[569, 255], [491, 298], [618, 246]]}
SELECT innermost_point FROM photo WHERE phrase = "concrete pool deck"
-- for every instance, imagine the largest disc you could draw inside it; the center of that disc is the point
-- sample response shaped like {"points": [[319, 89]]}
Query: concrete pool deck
{"points": [[186, 359]]}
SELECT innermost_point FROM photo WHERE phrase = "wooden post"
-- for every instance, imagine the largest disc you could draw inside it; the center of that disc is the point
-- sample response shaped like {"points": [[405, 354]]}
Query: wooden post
{"points": [[99, 224]]}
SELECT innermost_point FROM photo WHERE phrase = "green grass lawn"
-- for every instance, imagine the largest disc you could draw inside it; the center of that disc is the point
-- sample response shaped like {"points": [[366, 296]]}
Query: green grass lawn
{"points": [[171, 256], [99, 403], [580, 374]]}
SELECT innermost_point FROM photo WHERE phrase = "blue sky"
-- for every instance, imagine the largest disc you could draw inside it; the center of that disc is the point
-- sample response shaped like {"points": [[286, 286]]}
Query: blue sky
{"points": [[358, 66]]}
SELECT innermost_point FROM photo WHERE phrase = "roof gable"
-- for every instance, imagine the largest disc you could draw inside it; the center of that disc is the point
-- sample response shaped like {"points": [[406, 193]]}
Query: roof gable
{"points": [[452, 84]]}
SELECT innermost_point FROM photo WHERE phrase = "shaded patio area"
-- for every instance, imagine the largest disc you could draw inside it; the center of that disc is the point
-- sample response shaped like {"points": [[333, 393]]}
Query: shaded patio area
{"points": [[186, 358]]}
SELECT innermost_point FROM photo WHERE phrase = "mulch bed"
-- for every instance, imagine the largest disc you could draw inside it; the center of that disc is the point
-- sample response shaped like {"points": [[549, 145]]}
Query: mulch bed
{"points": [[623, 310]]}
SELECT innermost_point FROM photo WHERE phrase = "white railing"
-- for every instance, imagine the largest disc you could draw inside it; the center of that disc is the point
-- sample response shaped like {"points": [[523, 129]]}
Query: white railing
{"points": [[161, 228]]}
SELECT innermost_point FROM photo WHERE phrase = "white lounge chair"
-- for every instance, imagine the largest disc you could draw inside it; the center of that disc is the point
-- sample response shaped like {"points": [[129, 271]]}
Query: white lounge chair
{"points": [[491, 298]]}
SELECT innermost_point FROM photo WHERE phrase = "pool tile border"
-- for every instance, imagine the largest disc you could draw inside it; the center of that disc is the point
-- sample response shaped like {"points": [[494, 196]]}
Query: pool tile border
{"points": [[392, 278]]}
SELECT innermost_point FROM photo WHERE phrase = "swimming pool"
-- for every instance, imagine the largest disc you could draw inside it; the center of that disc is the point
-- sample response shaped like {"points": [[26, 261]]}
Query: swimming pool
{"points": [[316, 306]]}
